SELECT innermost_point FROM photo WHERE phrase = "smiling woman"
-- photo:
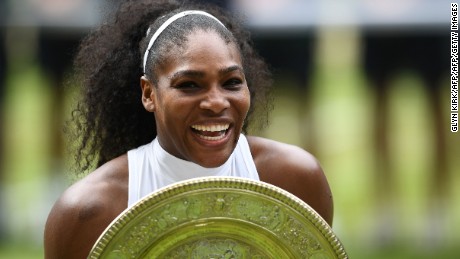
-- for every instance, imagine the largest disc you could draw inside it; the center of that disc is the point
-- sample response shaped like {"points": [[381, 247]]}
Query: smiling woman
{"points": [[200, 100], [201, 84]]}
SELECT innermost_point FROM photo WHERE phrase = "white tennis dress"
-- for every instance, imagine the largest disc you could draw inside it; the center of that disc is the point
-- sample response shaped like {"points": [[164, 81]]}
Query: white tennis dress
{"points": [[151, 168]]}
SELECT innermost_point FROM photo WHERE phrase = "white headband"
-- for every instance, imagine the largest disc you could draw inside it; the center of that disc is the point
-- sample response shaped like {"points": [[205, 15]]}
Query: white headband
{"points": [[167, 23]]}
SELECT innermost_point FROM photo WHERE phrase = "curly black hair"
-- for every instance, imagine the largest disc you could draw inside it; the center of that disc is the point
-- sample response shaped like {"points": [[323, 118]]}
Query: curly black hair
{"points": [[110, 119]]}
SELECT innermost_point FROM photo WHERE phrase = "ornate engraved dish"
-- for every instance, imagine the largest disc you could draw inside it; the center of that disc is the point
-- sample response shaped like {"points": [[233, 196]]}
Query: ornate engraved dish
{"points": [[217, 217]]}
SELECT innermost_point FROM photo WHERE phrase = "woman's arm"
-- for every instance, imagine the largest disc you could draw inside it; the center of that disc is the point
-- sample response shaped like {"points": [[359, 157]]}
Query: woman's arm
{"points": [[294, 170], [84, 210]]}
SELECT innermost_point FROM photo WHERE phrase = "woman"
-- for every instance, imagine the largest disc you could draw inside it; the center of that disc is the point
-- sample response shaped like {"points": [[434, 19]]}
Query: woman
{"points": [[200, 84]]}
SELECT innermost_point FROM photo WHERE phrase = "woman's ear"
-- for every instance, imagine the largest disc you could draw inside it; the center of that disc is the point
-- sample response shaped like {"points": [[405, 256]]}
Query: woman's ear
{"points": [[148, 94]]}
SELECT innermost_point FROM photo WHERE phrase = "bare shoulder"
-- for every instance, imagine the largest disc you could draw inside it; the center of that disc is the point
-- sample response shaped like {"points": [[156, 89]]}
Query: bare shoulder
{"points": [[85, 209], [294, 170]]}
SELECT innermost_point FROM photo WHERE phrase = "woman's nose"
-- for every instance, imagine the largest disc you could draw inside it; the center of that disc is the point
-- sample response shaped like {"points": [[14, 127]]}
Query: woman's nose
{"points": [[215, 100]]}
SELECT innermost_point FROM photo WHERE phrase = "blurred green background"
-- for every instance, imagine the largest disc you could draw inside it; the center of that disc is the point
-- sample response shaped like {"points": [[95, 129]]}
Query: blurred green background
{"points": [[334, 120]]}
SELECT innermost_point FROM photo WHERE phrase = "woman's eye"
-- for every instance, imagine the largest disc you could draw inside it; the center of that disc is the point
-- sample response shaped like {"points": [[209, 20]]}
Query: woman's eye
{"points": [[187, 85], [232, 83]]}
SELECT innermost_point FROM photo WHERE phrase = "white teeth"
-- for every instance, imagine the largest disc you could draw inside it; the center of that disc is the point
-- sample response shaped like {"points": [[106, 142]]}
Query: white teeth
{"points": [[212, 128], [212, 138]]}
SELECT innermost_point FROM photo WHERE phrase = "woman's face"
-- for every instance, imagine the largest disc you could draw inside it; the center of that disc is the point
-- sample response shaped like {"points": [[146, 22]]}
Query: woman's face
{"points": [[200, 101]]}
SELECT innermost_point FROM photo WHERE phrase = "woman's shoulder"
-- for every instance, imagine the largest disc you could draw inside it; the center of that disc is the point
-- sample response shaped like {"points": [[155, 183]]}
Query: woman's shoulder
{"points": [[85, 209], [294, 170], [271, 157]]}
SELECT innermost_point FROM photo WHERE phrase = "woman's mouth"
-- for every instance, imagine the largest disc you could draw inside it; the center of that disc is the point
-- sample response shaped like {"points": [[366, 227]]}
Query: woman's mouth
{"points": [[212, 132]]}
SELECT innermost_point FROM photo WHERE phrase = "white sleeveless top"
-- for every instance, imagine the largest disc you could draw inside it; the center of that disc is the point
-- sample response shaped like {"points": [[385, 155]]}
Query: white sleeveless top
{"points": [[151, 168]]}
